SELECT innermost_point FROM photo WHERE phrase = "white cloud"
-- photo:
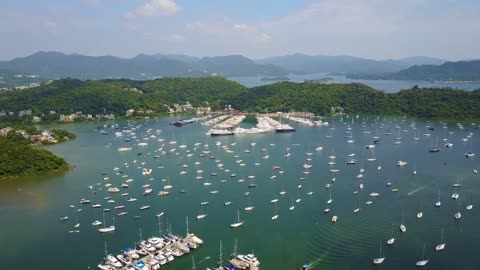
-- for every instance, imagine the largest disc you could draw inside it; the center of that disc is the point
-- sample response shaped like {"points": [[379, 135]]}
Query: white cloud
{"points": [[252, 33], [215, 27], [241, 27], [264, 38], [195, 26], [154, 8], [176, 38], [51, 26]]}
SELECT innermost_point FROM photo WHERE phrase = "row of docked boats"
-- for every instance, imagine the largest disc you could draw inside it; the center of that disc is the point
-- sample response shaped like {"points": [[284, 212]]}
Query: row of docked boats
{"points": [[151, 254]]}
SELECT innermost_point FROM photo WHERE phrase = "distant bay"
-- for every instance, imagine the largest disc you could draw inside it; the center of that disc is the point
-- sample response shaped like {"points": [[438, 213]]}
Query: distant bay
{"points": [[389, 86]]}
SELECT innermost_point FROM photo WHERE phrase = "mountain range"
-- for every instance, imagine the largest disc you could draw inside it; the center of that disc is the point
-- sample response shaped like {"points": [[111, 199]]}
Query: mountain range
{"points": [[449, 71], [302, 63], [59, 65], [53, 65]]}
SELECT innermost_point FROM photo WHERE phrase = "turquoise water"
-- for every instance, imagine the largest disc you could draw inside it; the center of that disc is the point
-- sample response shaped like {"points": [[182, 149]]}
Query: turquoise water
{"points": [[33, 238], [388, 86]]}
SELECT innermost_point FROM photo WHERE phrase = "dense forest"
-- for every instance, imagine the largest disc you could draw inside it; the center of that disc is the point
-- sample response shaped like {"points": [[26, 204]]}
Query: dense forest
{"points": [[19, 158], [116, 96]]}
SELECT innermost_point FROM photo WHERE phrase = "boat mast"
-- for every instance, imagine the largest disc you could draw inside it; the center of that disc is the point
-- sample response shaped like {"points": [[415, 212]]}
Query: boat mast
{"points": [[106, 250], [235, 248], [187, 226], [104, 223], [193, 263], [220, 262], [159, 226], [380, 249]]}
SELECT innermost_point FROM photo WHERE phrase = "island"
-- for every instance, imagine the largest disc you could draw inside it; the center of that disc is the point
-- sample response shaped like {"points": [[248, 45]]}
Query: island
{"points": [[275, 79], [21, 159], [21, 155], [321, 80]]}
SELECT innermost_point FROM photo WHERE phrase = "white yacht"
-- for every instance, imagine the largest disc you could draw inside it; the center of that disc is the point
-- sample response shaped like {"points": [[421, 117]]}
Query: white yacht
{"points": [[442, 244], [422, 262], [380, 259], [238, 223]]}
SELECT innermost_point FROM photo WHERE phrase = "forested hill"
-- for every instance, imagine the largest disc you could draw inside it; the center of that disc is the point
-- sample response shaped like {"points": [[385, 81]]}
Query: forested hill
{"points": [[20, 159], [117, 96], [59, 65], [449, 71]]}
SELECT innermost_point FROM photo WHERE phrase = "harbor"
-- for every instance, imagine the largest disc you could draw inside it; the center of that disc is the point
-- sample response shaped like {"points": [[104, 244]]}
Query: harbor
{"points": [[230, 126], [296, 195], [152, 253]]}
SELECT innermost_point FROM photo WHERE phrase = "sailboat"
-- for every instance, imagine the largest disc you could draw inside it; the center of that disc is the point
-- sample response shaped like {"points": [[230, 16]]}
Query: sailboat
{"points": [[458, 215], [275, 216], [283, 192], [167, 186], [391, 240], [420, 214], [252, 184], [470, 154], [238, 223], [310, 192], [403, 228], [380, 259], [292, 207], [330, 200], [107, 229], [357, 209], [449, 144], [442, 244], [298, 200], [434, 149], [470, 206], [77, 225], [422, 262], [326, 210], [201, 215], [438, 203], [249, 207], [349, 136]]}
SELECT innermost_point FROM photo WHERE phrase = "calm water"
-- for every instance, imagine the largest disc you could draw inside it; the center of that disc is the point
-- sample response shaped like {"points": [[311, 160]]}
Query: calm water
{"points": [[385, 85], [33, 238]]}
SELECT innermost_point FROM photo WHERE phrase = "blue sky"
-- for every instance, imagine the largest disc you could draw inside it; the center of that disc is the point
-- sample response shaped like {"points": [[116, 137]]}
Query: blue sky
{"points": [[379, 29]]}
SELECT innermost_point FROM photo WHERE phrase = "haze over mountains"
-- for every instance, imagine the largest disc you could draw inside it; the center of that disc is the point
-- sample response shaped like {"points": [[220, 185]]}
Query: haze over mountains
{"points": [[54, 65], [448, 71], [302, 63]]}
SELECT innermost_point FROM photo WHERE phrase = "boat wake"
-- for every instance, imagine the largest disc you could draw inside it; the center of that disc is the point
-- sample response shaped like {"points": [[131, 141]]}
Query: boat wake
{"points": [[312, 264], [415, 191]]}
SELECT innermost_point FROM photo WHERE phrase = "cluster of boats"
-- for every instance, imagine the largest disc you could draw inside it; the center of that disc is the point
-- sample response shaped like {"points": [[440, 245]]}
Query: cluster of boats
{"points": [[152, 253], [265, 124]]}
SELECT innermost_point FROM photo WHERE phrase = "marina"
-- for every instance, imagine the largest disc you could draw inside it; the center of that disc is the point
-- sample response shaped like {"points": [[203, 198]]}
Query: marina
{"points": [[294, 177]]}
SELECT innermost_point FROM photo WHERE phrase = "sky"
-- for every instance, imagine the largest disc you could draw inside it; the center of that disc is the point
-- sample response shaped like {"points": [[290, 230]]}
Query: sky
{"points": [[376, 29]]}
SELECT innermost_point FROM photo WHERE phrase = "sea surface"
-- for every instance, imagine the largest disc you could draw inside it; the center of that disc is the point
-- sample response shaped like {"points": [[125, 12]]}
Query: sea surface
{"points": [[32, 237], [388, 86]]}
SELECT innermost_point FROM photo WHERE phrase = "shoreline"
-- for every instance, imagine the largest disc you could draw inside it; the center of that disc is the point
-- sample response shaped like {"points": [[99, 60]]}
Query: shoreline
{"points": [[56, 172]]}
